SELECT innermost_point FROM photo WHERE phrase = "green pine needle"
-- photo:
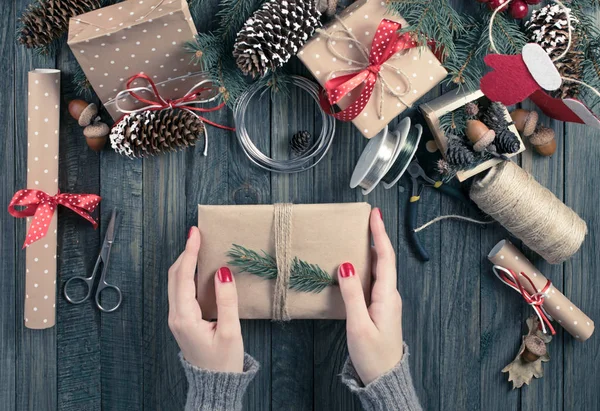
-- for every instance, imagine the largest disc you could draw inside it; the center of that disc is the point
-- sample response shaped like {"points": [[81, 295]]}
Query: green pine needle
{"points": [[305, 277]]}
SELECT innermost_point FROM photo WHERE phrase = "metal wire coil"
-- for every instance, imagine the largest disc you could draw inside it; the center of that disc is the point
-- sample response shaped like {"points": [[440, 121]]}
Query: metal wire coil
{"points": [[303, 162]]}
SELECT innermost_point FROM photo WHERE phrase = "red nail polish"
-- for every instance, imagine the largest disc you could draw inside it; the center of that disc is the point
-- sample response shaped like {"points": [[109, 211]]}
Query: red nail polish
{"points": [[224, 275], [190, 232], [347, 270], [380, 214]]}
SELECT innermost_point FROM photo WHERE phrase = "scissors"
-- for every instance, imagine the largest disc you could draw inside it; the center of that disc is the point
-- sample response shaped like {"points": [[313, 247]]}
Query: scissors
{"points": [[102, 284]]}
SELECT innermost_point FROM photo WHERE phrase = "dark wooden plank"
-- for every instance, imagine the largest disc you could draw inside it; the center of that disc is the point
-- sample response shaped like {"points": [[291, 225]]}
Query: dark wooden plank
{"points": [[249, 184], [332, 178], [36, 349], [292, 342], [121, 331], [547, 392], [78, 363], [581, 176], [8, 248]]}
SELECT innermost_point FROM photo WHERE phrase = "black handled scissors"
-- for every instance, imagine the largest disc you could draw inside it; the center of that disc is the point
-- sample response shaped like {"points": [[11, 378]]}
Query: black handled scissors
{"points": [[415, 171], [103, 258]]}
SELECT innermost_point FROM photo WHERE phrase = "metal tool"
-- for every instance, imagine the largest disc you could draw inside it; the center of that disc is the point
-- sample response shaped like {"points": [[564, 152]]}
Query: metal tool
{"points": [[415, 171], [102, 284]]}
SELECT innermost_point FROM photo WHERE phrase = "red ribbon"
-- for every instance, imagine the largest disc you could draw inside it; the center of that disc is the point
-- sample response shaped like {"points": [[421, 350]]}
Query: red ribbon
{"points": [[386, 43], [163, 103], [536, 300], [41, 205]]}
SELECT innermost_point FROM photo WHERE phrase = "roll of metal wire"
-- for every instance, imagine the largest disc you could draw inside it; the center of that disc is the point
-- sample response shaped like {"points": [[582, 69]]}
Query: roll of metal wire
{"points": [[303, 162]]}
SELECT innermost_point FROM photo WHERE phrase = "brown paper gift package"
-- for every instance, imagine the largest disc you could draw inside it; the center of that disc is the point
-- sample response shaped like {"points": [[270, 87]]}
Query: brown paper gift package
{"points": [[116, 42], [322, 234], [420, 65]]}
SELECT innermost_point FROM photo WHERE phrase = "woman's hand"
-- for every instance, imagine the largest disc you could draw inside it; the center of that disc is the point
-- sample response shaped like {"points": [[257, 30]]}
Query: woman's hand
{"points": [[215, 346], [374, 333]]}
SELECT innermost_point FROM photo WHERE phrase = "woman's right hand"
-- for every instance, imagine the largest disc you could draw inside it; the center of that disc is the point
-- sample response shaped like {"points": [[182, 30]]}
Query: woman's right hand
{"points": [[374, 333]]}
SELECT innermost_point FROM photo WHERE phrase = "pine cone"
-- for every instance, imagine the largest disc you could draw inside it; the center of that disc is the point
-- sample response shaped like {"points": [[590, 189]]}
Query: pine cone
{"points": [[45, 21], [273, 34], [458, 153], [300, 142], [153, 132], [548, 27], [506, 142], [495, 117]]}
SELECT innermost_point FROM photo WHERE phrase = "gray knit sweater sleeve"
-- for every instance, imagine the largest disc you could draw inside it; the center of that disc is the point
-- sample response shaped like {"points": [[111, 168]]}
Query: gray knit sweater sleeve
{"points": [[217, 391], [394, 390]]}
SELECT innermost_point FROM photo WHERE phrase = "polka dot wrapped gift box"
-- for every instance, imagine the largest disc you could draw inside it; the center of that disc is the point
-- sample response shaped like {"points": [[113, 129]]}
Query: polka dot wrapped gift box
{"points": [[369, 70], [117, 42]]}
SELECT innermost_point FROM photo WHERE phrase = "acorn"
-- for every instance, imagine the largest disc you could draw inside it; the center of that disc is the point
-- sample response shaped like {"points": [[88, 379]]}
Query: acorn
{"points": [[479, 134], [83, 112], [543, 141], [525, 121], [534, 348], [96, 135]]}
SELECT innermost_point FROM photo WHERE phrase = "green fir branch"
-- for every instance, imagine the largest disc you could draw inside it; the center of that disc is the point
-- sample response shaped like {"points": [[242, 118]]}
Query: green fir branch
{"points": [[304, 277]]}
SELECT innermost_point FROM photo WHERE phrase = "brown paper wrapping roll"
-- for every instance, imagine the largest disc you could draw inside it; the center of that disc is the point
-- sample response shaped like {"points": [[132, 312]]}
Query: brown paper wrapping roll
{"points": [[572, 319], [322, 234], [42, 174]]}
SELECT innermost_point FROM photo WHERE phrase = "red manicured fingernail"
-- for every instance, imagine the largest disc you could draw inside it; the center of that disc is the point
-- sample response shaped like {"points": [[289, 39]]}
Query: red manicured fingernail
{"points": [[190, 232], [224, 275], [347, 270], [380, 214]]}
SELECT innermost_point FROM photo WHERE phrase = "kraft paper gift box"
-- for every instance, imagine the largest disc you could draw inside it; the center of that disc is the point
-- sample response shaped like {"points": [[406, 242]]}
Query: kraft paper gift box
{"points": [[422, 69], [447, 103], [321, 234], [117, 42]]}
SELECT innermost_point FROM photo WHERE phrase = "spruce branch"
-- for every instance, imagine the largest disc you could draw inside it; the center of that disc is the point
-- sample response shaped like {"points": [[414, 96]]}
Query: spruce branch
{"points": [[304, 277]]}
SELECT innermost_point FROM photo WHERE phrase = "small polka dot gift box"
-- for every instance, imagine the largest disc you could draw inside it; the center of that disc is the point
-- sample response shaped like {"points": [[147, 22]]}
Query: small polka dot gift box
{"points": [[368, 69], [117, 42]]}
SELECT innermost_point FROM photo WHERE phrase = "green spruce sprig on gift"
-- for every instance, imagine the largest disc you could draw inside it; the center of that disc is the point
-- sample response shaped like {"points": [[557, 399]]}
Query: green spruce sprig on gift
{"points": [[304, 277]]}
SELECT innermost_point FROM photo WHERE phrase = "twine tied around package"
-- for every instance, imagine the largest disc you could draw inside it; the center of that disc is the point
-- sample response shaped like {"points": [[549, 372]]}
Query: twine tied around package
{"points": [[187, 102], [386, 45], [536, 300], [41, 206], [282, 224]]}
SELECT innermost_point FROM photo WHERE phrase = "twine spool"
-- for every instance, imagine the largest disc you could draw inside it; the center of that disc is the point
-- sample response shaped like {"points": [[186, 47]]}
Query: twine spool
{"points": [[530, 212]]}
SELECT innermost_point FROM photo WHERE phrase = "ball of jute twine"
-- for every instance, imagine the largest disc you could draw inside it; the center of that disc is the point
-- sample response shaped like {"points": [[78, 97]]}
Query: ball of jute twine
{"points": [[531, 212]]}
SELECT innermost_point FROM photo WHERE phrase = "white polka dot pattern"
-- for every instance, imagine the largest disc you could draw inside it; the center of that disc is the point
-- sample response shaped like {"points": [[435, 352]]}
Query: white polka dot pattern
{"points": [[148, 41]]}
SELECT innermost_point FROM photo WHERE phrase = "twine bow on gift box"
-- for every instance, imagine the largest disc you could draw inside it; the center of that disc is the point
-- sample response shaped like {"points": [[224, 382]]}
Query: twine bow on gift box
{"points": [[42, 206], [188, 102], [536, 300], [386, 45]]}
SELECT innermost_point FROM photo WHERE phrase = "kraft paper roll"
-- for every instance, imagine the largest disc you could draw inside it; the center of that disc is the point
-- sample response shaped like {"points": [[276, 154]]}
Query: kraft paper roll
{"points": [[571, 318], [42, 174]]}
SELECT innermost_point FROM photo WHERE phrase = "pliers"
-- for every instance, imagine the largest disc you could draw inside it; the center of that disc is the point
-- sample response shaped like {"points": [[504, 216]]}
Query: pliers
{"points": [[415, 171]]}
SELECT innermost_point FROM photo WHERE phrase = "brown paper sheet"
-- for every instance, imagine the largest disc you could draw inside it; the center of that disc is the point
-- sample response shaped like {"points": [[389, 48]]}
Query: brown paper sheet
{"points": [[322, 234], [43, 111], [116, 42], [566, 313], [435, 109], [420, 65]]}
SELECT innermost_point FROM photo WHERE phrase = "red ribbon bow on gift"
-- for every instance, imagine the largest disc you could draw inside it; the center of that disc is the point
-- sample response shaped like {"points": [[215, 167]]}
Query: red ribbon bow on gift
{"points": [[184, 103], [386, 43], [536, 301], [41, 205]]}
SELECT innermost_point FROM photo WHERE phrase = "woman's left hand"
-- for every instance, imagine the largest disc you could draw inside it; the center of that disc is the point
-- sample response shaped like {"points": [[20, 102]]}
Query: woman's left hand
{"points": [[215, 346]]}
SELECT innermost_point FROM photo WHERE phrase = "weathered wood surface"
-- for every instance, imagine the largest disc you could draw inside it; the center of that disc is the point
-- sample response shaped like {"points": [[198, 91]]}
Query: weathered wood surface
{"points": [[462, 326]]}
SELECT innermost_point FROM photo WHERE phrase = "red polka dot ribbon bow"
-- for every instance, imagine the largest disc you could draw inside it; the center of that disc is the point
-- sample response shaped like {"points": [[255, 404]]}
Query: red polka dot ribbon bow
{"points": [[42, 206], [536, 301], [387, 42]]}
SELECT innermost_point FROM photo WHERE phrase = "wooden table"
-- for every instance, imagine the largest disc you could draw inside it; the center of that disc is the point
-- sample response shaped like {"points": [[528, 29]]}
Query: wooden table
{"points": [[461, 324]]}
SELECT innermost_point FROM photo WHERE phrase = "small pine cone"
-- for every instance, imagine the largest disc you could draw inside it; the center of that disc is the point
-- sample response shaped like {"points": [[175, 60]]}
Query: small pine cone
{"points": [[494, 117], [300, 142], [153, 132], [443, 167], [458, 153], [506, 142], [274, 34], [45, 21], [548, 27], [472, 110]]}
